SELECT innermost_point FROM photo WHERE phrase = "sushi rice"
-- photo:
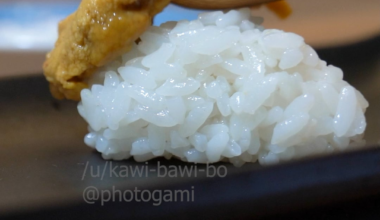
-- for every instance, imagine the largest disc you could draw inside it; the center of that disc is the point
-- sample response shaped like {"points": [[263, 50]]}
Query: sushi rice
{"points": [[221, 88]]}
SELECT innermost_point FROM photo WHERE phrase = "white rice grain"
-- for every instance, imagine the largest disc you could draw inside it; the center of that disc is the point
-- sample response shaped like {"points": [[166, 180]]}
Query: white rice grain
{"points": [[221, 88]]}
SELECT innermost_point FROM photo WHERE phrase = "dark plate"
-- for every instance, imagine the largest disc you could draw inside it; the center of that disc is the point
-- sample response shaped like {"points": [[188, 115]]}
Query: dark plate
{"points": [[43, 159]]}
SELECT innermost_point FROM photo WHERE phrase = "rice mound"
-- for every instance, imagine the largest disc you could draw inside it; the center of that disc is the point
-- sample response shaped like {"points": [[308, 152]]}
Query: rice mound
{"points": [[221, 88]]}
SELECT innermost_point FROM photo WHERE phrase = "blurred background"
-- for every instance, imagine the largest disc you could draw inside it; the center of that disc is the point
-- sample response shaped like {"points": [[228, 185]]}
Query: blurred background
{"points": [[346, 33], [28, 28]]}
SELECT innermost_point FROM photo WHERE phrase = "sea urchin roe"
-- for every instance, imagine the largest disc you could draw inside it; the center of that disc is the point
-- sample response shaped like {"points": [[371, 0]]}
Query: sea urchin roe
{"points": [[281, 8], [93, 35]]}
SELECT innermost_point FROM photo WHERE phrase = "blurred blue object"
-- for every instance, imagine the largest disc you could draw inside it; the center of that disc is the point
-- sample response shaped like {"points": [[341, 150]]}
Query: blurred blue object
{"points": [[30, 25], [175, 13], [28, 12]]}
